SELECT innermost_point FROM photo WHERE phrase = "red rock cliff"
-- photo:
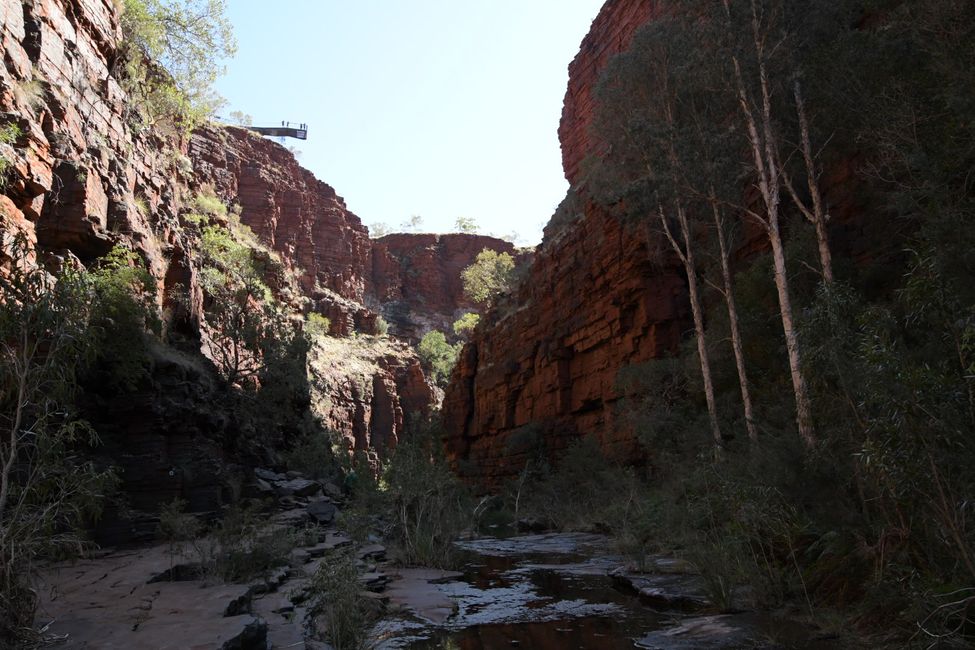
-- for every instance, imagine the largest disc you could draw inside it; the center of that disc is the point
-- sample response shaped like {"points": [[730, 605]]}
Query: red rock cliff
{"points": [[592, 303], [296, 214], [416, 278], [610, 34]]}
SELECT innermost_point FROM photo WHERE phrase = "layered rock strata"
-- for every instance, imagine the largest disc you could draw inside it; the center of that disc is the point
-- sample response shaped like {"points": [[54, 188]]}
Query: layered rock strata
{"points": [[416, 279], [546, 367], [83, 174]]}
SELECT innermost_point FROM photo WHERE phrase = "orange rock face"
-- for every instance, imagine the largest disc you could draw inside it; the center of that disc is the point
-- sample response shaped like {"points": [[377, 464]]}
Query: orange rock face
{"points": [[610, 34], [289, 209], [592, 304], [416, 278]]}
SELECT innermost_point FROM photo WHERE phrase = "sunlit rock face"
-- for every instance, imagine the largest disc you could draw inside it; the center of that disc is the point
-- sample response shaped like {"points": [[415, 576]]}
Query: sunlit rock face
{"points": [[296, 214], [416, 278]]}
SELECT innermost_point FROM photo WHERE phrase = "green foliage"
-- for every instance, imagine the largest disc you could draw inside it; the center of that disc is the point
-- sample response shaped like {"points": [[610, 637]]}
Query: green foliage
{"points": [[382, 326], [313, 456], [47, 488], [425, 504], [317, 325], [208, 203], [466, 324], [438, 356], [465, 225], [489, 276], [337, 595], [123, 312], [9, 134], [189, 39], [239, 305]]}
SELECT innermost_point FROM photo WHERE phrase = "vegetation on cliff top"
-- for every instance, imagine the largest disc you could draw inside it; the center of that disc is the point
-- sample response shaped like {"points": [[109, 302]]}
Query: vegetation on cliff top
{"points": [[188, 39]]}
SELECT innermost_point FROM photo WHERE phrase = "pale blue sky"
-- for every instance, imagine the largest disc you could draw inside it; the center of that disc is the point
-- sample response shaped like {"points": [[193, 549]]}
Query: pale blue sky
{"points": [[440, 108]]}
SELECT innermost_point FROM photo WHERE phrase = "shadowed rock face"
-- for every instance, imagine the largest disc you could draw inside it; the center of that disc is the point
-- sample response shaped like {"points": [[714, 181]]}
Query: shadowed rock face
{"points": [[593, 303], [610, 34]]}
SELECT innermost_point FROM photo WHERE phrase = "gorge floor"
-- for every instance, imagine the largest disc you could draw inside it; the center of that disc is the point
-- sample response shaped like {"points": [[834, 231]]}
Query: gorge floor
{"points": [[547, 591]]}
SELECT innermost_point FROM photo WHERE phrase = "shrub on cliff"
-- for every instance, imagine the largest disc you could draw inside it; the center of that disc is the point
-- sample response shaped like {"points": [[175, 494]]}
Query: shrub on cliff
{"points": [[438, 356], [466, 324], [317, 325], [189, 39], [490, 275], [123, 318]]}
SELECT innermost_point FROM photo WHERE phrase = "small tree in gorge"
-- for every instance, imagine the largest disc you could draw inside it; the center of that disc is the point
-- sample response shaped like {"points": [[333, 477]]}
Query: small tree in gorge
{"points": [[489, 276], [438, 356], [46, 489]]}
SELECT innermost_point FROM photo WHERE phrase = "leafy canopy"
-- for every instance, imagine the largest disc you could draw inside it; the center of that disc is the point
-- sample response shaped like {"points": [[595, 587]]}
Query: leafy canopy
{"points": [[438, 356], [188, 39], [466, 324], [489, 276]]}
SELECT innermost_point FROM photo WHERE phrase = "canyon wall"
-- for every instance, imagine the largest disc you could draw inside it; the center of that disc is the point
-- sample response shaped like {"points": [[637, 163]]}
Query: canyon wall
{"points": [[593, 302], [416, 279], [84, 174], [610, 34], [598, 298]]}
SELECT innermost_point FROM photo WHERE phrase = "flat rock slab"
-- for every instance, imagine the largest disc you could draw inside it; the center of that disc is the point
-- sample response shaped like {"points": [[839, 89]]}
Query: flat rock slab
{"points": [[107, 603], [548, 544], [322, 512], [418, 591], [371, 552], [331, 542], [667, 590], [233, 633], [298, 487], [717, 632]]}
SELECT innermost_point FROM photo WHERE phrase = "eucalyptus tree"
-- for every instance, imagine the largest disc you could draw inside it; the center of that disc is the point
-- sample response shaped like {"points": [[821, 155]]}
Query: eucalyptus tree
{"points": [[642, 125]]}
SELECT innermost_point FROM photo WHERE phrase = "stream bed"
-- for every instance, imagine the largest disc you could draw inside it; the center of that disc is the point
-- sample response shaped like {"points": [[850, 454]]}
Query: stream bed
{"points": [[566, 591]]}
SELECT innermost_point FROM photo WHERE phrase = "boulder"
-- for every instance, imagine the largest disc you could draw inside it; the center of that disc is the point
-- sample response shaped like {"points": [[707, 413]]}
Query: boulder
{"points": [[322, 512], [299, 487]]}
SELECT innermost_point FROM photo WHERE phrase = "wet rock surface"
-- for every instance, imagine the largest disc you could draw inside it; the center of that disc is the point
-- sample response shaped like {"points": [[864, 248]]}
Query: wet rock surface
{"points": [[556, 590], [563, 591]]}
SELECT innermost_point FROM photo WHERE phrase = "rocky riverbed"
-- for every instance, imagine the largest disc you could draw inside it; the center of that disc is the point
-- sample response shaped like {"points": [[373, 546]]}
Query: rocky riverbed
{"points": [[547, 591]]}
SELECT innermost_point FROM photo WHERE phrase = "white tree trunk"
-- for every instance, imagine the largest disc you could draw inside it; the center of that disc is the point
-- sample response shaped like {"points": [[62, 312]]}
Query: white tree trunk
{"points": [[729, 296], [803, 405], [686, 255], [764, 154]]}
